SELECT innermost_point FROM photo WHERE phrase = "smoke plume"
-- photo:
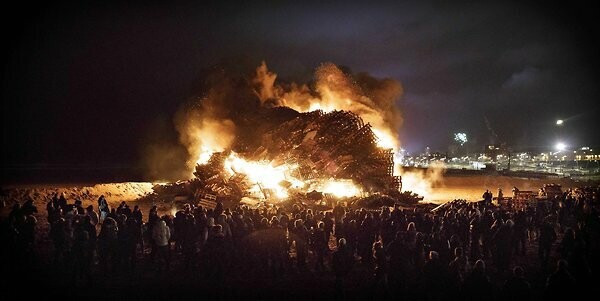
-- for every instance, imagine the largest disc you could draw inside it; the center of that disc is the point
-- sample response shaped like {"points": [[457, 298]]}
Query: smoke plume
{"points": [[227, 115], [422, 182], [374, 100]]}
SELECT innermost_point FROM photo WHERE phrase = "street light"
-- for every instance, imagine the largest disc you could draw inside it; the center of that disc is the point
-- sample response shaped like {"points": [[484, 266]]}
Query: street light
{"points": [[559, 122], [560, 146], [461, 138]]}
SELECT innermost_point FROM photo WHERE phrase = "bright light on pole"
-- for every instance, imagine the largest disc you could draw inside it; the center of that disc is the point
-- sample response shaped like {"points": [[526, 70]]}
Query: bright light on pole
{"points": [[560, 146], [461, 138], [559, 122]]}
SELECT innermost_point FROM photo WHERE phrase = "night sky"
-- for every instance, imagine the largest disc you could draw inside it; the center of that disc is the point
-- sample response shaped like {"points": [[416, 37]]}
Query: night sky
{"points": [[95, 84]]}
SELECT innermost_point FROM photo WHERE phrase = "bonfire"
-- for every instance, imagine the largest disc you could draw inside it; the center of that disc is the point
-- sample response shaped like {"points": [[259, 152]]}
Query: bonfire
{"points": [[266, 142]]}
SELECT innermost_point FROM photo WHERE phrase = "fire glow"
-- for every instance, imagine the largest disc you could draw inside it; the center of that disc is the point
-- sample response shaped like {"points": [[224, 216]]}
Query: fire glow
{"points": [[279, 179], [334, 91], [341, 188], [263, 175]]}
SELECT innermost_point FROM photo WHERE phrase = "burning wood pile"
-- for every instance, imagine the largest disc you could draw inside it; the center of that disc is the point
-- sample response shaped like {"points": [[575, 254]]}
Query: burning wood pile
{"points": [[256, 139], [330, 145], [334, 153]]}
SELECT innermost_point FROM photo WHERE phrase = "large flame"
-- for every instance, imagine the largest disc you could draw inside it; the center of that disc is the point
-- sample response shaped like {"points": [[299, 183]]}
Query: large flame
{"points": [[385, 139], [275, 181], [264, 176], [210, 136], [335, 91], [341, 188]]}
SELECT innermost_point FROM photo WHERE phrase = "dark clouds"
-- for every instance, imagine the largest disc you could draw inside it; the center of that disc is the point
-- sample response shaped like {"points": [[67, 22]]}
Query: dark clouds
{"points": [[87, 84]]}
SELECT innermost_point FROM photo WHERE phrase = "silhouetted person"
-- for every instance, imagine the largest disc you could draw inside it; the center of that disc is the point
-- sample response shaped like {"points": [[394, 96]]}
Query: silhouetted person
{"points": [[503, 239], [215, 248], [561, 285], [137, 214], [188, 240], [126, 210], [399, 263], [27, 236], [108, 244], [15, 214], [218, 209], [62, 202], [328, 221], [153, 220], [161, 234], [487, 197], [319, 246], [78, 206], [58, 234], [54, 201], [434, 277], [547, 238], [92, 234], [520, 233], [342, 262], [567, 245], [301, 237], [477, 285], [516, 288], [94, 218], [366, 236], [28, 208], [457, 270], [380, 284], [103, 208], [113, 214], [82, 255]]}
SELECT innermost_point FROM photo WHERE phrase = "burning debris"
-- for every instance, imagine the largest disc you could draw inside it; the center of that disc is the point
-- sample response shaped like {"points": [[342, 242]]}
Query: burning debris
{"points": [[256, 139], [334, 153]]}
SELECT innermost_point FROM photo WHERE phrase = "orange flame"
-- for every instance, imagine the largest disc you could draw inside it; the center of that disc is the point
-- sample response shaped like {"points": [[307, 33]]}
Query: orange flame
{"points": [[210, 136], [264, 175], [341, 188], [335, 91]]}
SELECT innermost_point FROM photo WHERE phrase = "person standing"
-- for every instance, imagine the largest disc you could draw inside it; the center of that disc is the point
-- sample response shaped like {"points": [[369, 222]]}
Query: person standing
{"points": [[516, 288], [103, 208], [547, 238], [161, 234], [94, 218], [342, 261]]}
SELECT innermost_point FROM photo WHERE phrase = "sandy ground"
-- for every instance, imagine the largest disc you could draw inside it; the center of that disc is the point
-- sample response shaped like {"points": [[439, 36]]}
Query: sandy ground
{"points": [[452, 187], [472, 187], [115, 193]]}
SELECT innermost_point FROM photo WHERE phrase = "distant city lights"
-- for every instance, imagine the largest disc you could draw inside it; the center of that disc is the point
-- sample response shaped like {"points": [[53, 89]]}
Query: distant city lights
{"points": [[461, 138], [560, 158]]}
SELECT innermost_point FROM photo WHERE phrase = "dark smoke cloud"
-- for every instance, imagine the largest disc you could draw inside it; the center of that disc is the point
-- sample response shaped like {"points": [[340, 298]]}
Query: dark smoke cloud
{"points": [[234, 107]]}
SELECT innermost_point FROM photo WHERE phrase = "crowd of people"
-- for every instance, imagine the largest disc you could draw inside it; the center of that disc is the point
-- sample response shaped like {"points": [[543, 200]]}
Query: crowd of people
{"points": [[462, 250]]}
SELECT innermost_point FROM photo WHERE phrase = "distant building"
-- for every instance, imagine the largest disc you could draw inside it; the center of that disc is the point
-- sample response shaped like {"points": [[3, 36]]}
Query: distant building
{"points": [[586, 154], [493, 150]]}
